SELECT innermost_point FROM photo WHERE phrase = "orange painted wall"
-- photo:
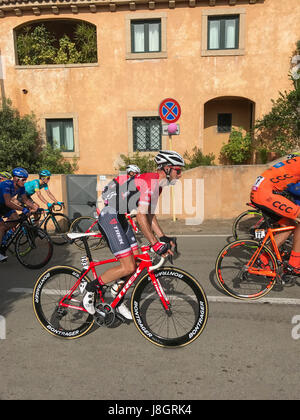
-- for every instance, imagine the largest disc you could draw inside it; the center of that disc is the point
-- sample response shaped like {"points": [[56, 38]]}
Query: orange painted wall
{"points": [[102, 95]]}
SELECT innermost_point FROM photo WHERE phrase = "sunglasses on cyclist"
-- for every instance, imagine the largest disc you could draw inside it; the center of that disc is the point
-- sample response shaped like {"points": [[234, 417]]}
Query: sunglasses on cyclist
{"points": [[21, 179], [178, 170], [45, 177]]}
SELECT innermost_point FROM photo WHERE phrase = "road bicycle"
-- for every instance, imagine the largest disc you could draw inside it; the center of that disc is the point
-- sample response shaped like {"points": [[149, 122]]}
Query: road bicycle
{"points": [[168, 305], [33, 246], [247, 222], [56, 224], [245, 225], [249, 269], [88, 224]]}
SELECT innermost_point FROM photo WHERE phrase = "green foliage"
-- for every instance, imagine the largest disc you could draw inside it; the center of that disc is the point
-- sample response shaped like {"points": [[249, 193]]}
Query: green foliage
{"points": [[67, 52], [86, 41], [37, 46], [20, 144], [197, 158], [238, 149], [279, 130], [145, 162]]}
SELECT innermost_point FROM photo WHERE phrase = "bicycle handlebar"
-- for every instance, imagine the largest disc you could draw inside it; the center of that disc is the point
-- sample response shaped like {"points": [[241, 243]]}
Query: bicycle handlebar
{"points": [[158, 265]]}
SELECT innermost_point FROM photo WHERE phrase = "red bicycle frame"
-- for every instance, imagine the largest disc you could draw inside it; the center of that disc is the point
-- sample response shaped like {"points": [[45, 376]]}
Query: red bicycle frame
{"points": [[99, 235], [145, 263]]}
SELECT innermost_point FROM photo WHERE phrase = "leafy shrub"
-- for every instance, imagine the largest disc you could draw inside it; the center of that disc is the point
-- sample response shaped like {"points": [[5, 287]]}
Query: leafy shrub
{"points": [[21, 145], [145, 162], [37, 45], [197, 158], [238, 149]]}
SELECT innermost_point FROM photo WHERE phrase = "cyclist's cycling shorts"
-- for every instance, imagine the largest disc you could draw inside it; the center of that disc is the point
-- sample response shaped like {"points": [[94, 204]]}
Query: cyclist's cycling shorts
{"points": [[118, 232], [5, 211]]}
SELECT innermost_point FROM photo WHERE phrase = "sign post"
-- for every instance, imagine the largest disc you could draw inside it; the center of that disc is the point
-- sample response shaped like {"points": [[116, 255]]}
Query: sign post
{"points": [[170, 111]]}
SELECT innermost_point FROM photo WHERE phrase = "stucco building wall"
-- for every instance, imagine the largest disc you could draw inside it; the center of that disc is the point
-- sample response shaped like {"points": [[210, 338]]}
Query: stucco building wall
{"points": [[102, 97]]}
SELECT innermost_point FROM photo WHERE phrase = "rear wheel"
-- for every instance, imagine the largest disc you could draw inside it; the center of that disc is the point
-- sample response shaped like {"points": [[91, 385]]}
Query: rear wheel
{"points": [[54, 287], [33, 247], [186, 317], [87, 224]]}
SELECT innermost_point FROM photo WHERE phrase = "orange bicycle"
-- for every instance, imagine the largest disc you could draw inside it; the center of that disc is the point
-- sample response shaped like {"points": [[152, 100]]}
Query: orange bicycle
{"points": [[249, 269]]}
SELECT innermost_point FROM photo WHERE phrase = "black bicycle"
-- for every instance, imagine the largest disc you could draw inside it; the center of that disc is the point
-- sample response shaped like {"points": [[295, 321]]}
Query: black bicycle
{"points": [[55, 224], [33, 246]]}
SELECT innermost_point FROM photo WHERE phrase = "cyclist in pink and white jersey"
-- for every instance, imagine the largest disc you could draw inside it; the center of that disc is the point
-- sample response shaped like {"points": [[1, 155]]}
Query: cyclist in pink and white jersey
{"points": [[141, 193]]}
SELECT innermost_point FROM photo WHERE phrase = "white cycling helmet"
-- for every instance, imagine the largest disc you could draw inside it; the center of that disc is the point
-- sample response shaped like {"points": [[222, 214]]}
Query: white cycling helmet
{"points": [[133, 168], [169, 157]]}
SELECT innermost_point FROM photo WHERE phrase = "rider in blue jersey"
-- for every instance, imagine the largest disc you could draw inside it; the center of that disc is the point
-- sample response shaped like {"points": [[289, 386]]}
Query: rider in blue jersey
{"points": [[8, 206], [35, 186]]}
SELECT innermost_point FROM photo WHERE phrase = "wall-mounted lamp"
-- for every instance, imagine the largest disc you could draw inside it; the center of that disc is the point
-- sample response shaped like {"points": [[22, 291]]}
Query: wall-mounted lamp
{"points": [[24, 91]]}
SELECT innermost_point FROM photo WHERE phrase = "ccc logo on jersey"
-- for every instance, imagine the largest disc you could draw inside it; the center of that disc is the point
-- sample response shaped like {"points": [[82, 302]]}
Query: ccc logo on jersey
{"points": [[283, 207], [280, 178]]}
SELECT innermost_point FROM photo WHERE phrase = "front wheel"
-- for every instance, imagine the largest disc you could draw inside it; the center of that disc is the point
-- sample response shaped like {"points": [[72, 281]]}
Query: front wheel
{"points": [[245, 224], [186, 317], [57, 226]]}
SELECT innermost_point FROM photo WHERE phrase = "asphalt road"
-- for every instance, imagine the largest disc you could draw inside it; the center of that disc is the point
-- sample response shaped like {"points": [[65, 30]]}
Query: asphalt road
{"points": [[247, 350]]}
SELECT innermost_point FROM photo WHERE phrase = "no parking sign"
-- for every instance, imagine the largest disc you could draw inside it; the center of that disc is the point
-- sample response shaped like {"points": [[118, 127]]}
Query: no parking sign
{"points": [[169, 110]]}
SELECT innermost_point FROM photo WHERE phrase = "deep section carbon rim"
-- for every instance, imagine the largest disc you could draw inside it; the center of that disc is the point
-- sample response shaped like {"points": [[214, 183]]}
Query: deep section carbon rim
{"points": [[51, 287], [188, 311]]}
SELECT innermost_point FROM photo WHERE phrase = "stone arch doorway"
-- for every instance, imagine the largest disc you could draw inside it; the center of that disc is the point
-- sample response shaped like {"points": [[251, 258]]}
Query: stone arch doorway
{"points": [[221, 114]]}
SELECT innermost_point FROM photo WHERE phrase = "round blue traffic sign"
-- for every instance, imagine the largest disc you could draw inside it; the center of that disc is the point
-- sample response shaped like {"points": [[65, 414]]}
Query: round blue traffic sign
{"points": [[169, 110]]}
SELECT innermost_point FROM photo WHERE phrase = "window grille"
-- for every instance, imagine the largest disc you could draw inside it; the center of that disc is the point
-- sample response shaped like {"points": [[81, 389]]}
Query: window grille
{"points": [[147, 133], [224, 123]]}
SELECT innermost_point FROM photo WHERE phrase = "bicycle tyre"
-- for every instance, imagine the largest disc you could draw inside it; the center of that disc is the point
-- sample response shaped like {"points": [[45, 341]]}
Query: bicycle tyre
{"points": [[189, 308], [57, 228], [83, 224], [49, 289], [245, 224], [232, 274], [34, 252]]}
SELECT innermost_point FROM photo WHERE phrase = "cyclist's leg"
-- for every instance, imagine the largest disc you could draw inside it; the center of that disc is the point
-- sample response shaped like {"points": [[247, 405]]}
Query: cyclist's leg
{"points": [[110, 223], [294, 260], [277, 206], [130, 236], [10, 215], [284, 208]]}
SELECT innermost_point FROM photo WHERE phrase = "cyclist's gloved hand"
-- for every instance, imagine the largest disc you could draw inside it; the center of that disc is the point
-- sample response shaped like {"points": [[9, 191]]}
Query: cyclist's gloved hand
{"points": [[161, 247], [25, 211], [49, 205], [167, 239], [60, 203]]}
